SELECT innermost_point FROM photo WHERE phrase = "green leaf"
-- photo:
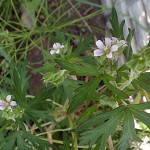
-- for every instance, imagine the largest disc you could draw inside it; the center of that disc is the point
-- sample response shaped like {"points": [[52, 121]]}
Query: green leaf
{"points": [[69, 86], [40, 98], [59, 37], [121, 29], [128, 50], [128, 130], [115, 24], [145, 77], [142, 106], [8, 142], [5, 54], [99, 119], [87, 114], [33, 117], [83, 45], [78, 69], [99, 128], [101, 132], [36, 141], [20, 83], [142, 116], [21, 143], [114, 89], [84, 93], [143, 81]]}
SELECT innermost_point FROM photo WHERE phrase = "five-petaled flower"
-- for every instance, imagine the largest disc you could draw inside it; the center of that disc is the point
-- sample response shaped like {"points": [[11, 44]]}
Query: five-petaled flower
{"points": [[108, 47], [8, 104], [56, 48]]}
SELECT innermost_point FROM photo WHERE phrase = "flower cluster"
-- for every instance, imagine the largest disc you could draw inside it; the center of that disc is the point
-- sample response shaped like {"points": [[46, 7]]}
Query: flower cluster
{"points": [[56, 48], [109, 46], [8, 104]]}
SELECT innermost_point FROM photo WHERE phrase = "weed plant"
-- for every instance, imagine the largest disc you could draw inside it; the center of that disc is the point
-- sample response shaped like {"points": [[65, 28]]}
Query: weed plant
{"points": [[90, 98]]}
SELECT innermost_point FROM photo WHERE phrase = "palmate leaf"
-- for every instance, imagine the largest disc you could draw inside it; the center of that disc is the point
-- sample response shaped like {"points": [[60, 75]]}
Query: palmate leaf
{"points": [[85, 93], [106, 123], [23, 141], [98, 120], [128, 130], [139, 113], [38, 108], [102, 131], [41, 97]]}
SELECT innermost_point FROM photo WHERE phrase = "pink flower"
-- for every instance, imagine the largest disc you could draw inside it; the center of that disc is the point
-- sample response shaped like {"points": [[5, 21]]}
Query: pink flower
{"points": [[106, 48], [2, 104], [121, 43], [8, 104]]}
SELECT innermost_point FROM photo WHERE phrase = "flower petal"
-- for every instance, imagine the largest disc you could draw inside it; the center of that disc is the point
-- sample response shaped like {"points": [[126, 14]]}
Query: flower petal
{"points": [[2, 107], [13, 103], [109, 55], [98, 52], [57, 51], [52, 52], [108, 42], [114, 39], [122, 43], [56, 45], [99, 44], [2, 102], [8, 98], [62, 46], [114, 48]]}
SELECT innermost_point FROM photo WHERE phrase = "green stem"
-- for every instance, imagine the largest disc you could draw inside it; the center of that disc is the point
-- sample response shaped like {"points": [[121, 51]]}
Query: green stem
{"points": [[74, 137], [61, 142], [53, 131]]}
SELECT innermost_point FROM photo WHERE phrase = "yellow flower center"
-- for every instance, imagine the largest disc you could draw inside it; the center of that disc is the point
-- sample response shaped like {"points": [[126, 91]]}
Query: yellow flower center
{"points": [[106, 49]]}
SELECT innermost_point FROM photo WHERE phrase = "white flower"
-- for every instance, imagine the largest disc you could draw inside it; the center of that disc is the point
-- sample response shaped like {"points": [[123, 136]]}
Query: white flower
{"points": [[121, 43], [56, 48], [106, 48], [8, 104]]}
